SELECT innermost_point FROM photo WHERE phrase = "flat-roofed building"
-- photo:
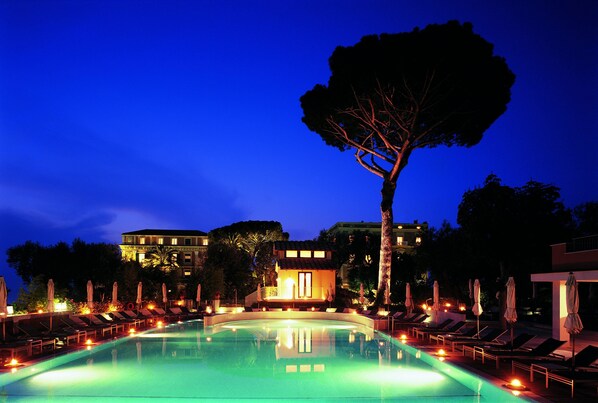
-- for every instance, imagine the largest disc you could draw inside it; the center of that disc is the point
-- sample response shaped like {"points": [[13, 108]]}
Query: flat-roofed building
{"points": [[187, 249]]}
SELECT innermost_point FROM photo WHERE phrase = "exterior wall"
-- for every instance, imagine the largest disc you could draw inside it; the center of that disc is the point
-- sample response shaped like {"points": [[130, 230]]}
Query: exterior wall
{"points": [[321, 282], [577, 260]]}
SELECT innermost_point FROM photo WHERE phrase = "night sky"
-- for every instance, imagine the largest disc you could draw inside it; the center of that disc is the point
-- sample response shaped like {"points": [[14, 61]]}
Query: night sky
{"points": [[121, 115]]}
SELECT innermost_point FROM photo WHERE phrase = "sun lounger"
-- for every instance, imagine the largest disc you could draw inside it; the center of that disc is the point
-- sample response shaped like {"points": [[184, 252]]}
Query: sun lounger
{"points": [[429, 326], [426, 332], [465, 331], [490, 336], [519, 342], [88, 324], [542, 350], [562, 371]]}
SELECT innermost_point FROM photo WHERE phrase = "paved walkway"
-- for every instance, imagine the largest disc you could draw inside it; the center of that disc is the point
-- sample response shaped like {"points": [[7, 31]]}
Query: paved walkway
{"points": [[556, 393]]}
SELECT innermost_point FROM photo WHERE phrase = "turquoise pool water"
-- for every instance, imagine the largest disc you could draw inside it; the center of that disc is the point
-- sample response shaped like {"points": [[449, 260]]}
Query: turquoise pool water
{"points": [[291, 360]]}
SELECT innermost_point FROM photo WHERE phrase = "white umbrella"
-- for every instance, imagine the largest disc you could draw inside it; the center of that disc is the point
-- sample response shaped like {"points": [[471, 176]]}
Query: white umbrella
{"points": [[115, 293], [511, 312], [50, 300], [139, 293], [3, 304], [408, 298], [198, 296], [164, 294], [361, 294], [470, 286], [477, 307], [436, 294], [573, 321], [90, 295]]}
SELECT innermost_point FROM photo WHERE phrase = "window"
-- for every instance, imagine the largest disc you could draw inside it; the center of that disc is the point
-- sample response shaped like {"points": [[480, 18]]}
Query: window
{"points": [[174, 241], [418, 240], [175, 257], [291, 253], [140, 257], [187, 241], [304, 284], [319, 254], [160, 241], [399, 240], [305, 253], [205, 242], [187, 272], [142, 241], [187, 258]]}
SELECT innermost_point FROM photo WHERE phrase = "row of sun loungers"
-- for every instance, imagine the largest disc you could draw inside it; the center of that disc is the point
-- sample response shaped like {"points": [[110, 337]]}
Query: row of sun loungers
{"points": [[492, 344], [29, 338]]}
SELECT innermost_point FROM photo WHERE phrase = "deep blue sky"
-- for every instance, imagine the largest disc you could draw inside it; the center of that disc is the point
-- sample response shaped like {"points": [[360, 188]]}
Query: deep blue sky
{"points": [[122, 115]]}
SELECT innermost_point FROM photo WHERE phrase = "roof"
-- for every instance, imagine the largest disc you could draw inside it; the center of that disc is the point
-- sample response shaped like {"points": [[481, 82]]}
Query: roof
{"points": [[302, 245], [168, 232], [306, 264]]}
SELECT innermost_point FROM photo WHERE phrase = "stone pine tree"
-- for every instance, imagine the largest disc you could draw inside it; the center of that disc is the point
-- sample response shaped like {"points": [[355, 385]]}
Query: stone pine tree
{"points": [[393, 93]]}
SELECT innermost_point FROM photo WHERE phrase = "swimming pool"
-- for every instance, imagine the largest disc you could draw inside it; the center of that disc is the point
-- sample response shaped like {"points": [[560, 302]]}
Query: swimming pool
{"points": [[291, 360]]}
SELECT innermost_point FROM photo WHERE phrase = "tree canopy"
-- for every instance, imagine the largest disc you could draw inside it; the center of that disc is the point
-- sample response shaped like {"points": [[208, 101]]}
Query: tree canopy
{"points": [[393, 93]]}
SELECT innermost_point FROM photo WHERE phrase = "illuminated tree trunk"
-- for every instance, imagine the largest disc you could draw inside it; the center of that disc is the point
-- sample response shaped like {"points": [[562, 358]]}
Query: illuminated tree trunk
{"points": [[388, 193]]}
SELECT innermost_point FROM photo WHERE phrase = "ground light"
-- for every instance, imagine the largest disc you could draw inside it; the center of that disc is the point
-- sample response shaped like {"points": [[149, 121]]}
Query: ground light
{"points": [[516, 386]]}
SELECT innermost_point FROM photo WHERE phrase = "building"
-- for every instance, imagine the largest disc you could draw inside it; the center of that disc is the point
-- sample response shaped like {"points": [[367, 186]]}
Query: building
{"points": [[579, 256], [406, 235], [305, 275], [186, 250]]}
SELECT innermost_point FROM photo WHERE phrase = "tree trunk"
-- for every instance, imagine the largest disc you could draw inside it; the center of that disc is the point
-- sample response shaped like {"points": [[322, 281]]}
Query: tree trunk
{"points": [[388, 194]]}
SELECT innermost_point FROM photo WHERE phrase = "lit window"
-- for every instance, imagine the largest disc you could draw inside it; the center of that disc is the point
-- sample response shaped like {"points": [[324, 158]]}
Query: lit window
{"points": [[175, 257], [205, 241], [305, 253], [187, 272], [399, 240], [160, 241], [418, 240], [142, 241], [187, 258], [174, 241], [141, 257], [291, 253], [319, 254]]}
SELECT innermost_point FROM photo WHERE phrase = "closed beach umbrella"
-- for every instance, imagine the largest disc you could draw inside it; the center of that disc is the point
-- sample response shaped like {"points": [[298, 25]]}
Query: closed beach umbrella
{"points": [[470, 287], [477, 307], [259, 292], [90, 295], [573, 321], [164, 294], [511, 312], [3, 305], [436, 294], [50, 295], [115, 293], [50, 300], [408, 298], [139, 293], [361, 294]]}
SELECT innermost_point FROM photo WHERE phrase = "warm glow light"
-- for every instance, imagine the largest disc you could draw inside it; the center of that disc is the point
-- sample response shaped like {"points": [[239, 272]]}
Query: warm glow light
{"points": [[403, 337], [424, 306], [88, 342], [264, 309], [441, 352], [313, 308], [208, 309], [208, 339], [516, 383], [150, 306], [159, 324], [132, 330], [448, 304], [40, 311], [13, 363]]}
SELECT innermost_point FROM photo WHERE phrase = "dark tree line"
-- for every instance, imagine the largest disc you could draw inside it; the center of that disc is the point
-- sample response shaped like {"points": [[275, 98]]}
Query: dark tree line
{"points": [[502, 231]]}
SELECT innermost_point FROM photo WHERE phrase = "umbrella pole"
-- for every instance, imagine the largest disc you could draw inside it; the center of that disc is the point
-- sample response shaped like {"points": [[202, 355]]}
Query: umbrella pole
{"points": [[511, 336], [572, 352]]}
